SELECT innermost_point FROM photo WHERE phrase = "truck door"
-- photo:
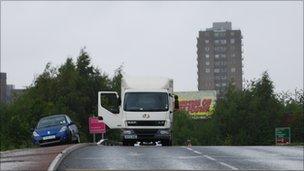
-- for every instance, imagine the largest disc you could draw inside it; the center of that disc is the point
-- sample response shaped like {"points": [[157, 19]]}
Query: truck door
{"points": [[109, 109]]}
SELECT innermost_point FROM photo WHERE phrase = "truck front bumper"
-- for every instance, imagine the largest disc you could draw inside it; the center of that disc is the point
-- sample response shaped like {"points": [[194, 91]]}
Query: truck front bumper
{"points": [[146, 134]]}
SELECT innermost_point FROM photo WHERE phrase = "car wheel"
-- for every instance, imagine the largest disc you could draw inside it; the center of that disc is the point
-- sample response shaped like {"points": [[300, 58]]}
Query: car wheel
{"points": [[77, 140], [70, 138]]}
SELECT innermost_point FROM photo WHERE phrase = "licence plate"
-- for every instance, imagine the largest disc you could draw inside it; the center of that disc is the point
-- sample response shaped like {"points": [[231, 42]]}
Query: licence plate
{"points": [[49, 137], [130, 136]]}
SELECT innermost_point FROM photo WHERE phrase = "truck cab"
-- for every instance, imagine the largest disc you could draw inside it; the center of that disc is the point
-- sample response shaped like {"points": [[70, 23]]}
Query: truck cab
{"points": [[143, 111]]}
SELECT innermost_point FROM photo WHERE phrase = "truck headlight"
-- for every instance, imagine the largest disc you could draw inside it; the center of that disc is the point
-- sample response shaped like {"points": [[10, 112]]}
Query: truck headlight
{"points": [[164, 132], [161, 123], [131, 123], [64, 128], [127, 132], [35, 134]]}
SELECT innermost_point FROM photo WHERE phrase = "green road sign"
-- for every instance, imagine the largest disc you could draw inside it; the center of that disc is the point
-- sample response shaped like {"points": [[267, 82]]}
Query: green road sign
{"points": [[282, 135]]}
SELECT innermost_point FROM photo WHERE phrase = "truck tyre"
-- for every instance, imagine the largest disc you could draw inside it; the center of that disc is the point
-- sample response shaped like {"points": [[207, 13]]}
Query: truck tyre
{"points": [[165, 142], [170, 142], [126, 143]]}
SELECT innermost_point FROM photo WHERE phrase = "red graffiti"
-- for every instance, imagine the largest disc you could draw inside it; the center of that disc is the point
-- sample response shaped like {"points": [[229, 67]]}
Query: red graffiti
{"points": [[195, 106]]}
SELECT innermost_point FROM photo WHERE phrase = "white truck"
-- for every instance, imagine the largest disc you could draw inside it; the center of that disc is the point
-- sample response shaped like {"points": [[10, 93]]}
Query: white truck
{"points": [[144, 111]]}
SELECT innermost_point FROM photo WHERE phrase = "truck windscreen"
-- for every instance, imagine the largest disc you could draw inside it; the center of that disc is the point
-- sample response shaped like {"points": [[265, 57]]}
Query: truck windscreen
{"points": [[146, 101]]}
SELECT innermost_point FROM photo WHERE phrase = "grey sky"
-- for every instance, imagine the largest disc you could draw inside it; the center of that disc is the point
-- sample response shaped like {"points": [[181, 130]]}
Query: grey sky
{"points": [[150, 38]]}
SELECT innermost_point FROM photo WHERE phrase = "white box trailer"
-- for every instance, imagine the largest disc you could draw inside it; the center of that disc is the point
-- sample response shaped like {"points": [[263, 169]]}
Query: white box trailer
{"points": [[144, 110]]}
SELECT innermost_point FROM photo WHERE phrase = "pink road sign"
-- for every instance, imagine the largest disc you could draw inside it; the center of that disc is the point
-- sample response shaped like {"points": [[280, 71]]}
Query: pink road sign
{"points": [[96, 126]]}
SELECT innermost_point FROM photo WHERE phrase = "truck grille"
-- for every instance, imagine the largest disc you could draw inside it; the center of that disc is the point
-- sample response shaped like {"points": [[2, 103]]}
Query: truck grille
{"points": [[145, 133], [145, 123]]}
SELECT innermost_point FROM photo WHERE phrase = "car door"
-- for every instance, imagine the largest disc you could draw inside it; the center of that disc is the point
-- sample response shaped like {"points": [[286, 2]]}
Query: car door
{"points": [[109, 109]]}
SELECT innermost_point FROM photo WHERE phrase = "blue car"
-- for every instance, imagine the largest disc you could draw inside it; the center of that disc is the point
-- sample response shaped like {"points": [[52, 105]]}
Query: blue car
{"points": [[55, 129]]}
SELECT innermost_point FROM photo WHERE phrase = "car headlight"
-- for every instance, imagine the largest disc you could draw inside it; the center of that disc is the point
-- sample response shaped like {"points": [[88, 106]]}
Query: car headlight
{"points": [[163, 132], [35, 134], [127, 132], [64, 128]]}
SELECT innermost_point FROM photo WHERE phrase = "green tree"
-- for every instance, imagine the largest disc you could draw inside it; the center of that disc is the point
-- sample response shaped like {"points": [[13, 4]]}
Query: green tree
{"points": [[116, 80], [183, 128], [249, 117], [70, 88], [293, 114]]}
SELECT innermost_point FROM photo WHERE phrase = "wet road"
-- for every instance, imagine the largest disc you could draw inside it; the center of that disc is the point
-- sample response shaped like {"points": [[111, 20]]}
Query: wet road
{"points": [[185, 158], [29, 159]]}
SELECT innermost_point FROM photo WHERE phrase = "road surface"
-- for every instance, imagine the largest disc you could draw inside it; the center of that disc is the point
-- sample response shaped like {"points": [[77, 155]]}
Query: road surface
{"points": [[30, 159], [185, 158]]}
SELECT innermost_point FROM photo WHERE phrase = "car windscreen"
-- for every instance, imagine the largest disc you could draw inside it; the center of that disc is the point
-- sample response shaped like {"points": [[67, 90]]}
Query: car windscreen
{"points": [[51, 121], [146, 101]]}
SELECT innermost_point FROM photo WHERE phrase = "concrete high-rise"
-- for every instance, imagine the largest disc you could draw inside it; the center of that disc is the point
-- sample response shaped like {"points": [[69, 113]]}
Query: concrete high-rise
{"points": [[7, 91], [219, 58], [2, 87]]}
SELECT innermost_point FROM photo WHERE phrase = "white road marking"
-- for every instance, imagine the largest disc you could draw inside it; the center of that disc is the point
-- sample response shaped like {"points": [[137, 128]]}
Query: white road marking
{"points": [[188, 157], [211, 158], [208, 157], [134, 154], [227, 165], [197, 152], [190, 149]]}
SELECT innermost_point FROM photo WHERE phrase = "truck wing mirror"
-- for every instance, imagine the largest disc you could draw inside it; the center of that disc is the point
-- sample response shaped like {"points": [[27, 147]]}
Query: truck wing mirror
{"points": [[176, 102]]}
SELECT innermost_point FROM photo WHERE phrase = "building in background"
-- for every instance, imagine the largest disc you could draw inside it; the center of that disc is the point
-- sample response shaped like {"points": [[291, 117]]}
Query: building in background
{"points": [[219, 58], [8, 92], [2, 87], [199, 104]]}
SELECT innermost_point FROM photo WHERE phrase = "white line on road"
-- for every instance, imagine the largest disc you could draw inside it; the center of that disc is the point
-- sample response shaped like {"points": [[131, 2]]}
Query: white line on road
{"points": [[227, 165], [211, 158], [208, 157], [188, 157], [197, 152], [188, 148]]}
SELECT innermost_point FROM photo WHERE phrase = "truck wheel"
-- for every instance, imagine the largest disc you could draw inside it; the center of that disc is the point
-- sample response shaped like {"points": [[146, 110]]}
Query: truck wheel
{"points": [[170, 142], [165, 142], [125, 143]]}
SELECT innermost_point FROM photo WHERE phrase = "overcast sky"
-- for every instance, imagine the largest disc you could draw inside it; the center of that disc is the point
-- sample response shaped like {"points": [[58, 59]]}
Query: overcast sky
{"points": [[150, 38]]}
